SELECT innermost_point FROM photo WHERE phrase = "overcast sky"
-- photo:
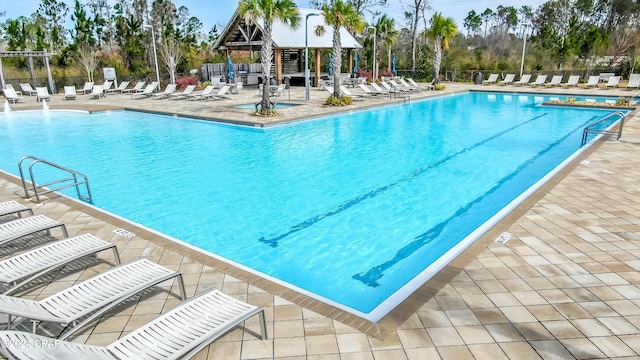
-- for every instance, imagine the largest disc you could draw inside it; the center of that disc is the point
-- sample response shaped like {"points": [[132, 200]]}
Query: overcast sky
{"points": [[212, 12]]}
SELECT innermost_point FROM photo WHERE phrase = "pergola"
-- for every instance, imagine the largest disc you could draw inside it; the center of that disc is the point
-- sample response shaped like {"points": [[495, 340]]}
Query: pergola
{"points": [[29, 55], [241, 35]]}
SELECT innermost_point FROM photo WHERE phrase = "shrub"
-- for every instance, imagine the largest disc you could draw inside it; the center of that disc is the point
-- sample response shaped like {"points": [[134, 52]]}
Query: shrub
{"points": [[438, 87], [183, 82], [338, 101], [622, 101]]}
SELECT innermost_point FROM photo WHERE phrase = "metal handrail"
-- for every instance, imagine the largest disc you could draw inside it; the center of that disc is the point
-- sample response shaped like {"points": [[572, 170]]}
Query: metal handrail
{"points": [[76, 179], [587, 130]]}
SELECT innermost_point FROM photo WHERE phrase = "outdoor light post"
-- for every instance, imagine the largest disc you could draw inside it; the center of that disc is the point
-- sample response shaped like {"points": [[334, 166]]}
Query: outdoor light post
{"points": [[155, 54], [374, 52], [524, 46], [306, 57]]}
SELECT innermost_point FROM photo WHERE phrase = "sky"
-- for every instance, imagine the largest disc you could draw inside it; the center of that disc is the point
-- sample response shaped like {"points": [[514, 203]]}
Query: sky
{"points": [[219, 12]]}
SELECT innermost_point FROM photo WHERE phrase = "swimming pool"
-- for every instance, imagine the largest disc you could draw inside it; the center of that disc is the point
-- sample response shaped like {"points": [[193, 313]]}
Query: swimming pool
{"points": [[353, 209]]}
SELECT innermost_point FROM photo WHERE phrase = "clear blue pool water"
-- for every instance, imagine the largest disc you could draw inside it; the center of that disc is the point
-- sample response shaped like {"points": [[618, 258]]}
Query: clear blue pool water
{"points": [[350, 208]]}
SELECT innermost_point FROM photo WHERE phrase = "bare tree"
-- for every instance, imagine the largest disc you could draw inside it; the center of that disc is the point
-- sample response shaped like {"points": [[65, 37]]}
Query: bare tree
{"points": [[171, 52], [414, 12], [87, 58]]}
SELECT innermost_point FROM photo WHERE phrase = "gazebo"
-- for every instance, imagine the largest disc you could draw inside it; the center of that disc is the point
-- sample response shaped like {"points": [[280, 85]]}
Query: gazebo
{"points": [[288, 43], [29, 55]]}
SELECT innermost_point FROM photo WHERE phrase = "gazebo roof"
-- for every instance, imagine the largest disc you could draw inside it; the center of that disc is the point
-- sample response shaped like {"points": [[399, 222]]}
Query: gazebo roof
{"points": [[239, 35]]}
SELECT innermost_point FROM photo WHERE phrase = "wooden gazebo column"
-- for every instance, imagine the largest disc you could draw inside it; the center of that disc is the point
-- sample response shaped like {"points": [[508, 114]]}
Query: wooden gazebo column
{"points": [[350, 57], [317, 67], [1, 75], [52, 85], [278, 61]]}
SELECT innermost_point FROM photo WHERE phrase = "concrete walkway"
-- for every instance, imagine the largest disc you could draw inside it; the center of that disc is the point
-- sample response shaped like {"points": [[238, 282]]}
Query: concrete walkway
{"points": [[565, 286]]}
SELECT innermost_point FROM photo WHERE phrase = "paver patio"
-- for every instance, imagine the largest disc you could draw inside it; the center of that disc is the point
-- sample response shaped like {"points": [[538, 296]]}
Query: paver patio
{"points": [[565, 286]]}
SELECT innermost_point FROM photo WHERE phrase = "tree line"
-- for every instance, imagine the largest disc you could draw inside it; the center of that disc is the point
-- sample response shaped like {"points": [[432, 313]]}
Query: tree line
{"points": [[563, 34], [569, 34]]}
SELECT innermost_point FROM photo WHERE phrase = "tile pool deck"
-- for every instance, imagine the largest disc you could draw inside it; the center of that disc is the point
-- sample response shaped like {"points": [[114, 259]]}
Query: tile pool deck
{"points": [[565, 286]]}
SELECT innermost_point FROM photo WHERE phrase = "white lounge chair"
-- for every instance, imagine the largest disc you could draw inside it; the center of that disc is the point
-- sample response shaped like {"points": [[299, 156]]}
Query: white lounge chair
{"points": [[573, 81], [121, 87], [70, 93], [148, 91], [13, 207], [186, 92], [613, 82], [394, 88], [377, 88], [414, 83], [593, 81], [42, 93], [18, 228], [170, 89], [367, 90], [138, 87], [11, 96], [524, 79], [27, 89], [107, 85], [179, 333], [406, 85], [79, 305], [88, 86], [507, 79], [395, 92], [493, 78], [220, 95], [634, 82], [276, 90], [556, 80], [19, 270], [200, 95], [540, 79], [345, 91], [97, 92], [395, 85]]}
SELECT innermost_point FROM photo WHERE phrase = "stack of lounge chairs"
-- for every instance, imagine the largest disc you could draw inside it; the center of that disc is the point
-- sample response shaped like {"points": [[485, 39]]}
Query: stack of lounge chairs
{"points": [[179, 333]]}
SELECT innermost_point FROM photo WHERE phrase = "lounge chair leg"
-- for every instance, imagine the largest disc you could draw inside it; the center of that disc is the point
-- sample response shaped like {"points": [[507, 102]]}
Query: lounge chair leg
{"points": [[116, 255], [263, 325], [183, 292], [64, 231]]}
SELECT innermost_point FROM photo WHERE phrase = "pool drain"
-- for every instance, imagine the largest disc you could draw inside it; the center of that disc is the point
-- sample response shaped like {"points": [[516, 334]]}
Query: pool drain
{"points": [[504, 237]]}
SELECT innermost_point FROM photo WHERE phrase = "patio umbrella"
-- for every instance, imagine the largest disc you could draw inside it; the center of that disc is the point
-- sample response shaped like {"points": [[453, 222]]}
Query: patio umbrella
{"points": [[355, 63], [330, 65], [393, 64], [229, 68]]}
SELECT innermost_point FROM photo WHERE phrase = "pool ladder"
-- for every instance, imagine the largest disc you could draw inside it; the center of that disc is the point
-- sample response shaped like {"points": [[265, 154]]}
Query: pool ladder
{"points": [[588, 130], [75, 179]]}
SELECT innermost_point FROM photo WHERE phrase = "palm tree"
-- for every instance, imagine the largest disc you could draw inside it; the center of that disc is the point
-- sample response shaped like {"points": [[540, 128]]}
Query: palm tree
{"points": [[338, 14], [440, 31], [387, 33], [269, 11]]}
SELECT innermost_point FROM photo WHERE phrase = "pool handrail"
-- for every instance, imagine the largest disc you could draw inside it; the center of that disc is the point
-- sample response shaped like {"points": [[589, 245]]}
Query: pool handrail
{"points": [[587, 130], [76, 178]]}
